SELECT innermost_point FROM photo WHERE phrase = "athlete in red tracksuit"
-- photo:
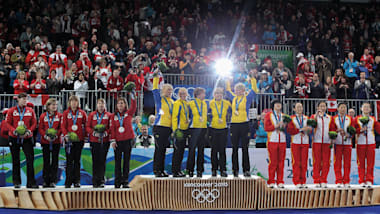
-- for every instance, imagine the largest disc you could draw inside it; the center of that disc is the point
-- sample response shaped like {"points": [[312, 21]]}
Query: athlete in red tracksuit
{"points": [[74, 120], [321, 146], [122, 136], [22, 115], [299, 145], [99, 141], [276, 144], [343, 145], [50, 146], [366, 145]]}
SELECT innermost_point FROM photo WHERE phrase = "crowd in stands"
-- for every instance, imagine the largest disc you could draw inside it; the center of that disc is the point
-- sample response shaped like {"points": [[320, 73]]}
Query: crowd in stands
{"points": [[47, 46]]}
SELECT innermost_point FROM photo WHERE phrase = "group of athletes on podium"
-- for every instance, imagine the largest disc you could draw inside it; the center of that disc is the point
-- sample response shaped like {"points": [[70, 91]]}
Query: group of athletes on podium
{"points": [[186, 123]]}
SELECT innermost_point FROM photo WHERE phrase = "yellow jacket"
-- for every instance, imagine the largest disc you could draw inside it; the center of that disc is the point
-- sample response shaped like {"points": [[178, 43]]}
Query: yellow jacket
{"points": [[164, 106], [181, 115], [196, 107], [240, 104], [219, 111]]}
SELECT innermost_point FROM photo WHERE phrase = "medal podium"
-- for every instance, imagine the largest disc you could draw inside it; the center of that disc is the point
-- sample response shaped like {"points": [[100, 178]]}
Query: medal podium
{"points": [[208, 193]]}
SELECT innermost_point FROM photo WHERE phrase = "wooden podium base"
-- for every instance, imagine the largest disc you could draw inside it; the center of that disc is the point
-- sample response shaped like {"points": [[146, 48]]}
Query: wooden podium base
{"points": [[149, 193]]}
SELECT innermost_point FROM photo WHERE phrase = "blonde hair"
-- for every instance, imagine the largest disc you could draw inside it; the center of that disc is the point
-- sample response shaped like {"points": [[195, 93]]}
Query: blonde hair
{"points": [[49, 102], [240, 86], [151, 117], [73, 98], [218, 89], [166, 87], [21, 73], [182, 90], [198, 91], [67, 72], [101, 100], [172, 51]]}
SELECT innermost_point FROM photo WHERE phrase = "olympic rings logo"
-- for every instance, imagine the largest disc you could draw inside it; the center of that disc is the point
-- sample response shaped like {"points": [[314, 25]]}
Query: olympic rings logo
{"points": [[205, 195]]}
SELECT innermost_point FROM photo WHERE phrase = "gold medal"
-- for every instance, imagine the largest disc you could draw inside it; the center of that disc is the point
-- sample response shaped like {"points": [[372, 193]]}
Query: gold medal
{"points": [[220, 120], [236, 113], [201, 119]]}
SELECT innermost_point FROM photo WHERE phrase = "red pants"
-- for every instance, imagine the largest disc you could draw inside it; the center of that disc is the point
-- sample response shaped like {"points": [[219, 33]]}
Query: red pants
{"points": [[299, 162], [365, 152], [321, 162], [342, 152], [276, 153]]}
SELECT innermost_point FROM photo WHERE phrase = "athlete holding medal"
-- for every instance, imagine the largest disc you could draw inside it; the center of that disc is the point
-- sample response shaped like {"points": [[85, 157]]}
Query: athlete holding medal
{"points": [[74, 120], [99, 141], [219, 108], [122, 136], [241, 103], [51, 119], [198, 127]]}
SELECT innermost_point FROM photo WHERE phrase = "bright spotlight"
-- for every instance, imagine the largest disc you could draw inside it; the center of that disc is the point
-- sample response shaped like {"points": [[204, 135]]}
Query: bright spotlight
{"points": [[223, 67]]}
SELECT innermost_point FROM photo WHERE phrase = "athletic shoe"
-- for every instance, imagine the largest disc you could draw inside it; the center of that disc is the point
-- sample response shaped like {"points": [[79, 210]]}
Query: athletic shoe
{"points": [[363, 185], [323, 185], [281, 186], [369, 184], [299, 186]]}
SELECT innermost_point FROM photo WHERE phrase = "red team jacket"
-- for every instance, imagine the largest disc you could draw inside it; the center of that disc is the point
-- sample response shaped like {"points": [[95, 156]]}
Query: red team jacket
{"points": [[13, 117], [127, 124], [67, 123], [44, 125], [93, 121]]}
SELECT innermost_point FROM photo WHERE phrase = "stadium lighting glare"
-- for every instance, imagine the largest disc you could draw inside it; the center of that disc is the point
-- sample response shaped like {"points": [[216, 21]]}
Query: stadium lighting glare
{"points": [[223, 67]]}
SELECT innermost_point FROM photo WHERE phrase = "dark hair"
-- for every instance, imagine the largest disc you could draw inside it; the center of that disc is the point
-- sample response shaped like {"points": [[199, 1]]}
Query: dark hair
{"points": [[342, 103], [274, 102], [320, 102], [22, 95]]}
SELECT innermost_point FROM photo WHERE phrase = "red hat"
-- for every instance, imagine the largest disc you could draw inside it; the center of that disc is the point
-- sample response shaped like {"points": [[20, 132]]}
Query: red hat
{"points": [[84, 43]]}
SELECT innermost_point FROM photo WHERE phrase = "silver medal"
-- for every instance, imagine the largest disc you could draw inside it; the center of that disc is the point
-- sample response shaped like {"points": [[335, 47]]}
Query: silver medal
{"points": [[121, 129], [74, 127], [20, 123]]}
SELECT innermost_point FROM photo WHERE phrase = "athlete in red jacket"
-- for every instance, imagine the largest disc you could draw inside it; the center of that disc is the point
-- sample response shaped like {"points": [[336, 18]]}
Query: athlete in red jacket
{"points": [[74, 120], [99, 141], [21, 115], [122, 136], [51, 119]]}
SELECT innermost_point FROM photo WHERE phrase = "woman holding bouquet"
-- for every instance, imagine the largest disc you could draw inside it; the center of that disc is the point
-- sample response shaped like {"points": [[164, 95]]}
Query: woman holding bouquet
{"points": [[366, 126], [50, 131], [274, 125], [299, 130], [98, 128], [73, 128], [321, 145], [343, 124], [162, 125], [122, 136], [21, 122]]}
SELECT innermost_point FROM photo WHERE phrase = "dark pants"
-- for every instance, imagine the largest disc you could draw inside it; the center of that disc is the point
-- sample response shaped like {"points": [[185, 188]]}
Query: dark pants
{"points": [[73, 163], [50, 170], [123, 148], [161, 135], [196, 142], [218, 147], [179, 149], [27, 147], [99, 155], [239, 133]]}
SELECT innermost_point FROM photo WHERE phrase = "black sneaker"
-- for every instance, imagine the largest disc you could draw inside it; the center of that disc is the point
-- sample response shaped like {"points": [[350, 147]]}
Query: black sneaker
{"points": [[17, 186], [178, 175], [125, 185], [236, 173], [199, 174], [67, 185], [213, 173], [34, 186], [247, 174], [191, 174], [117, 186], [158, 174], [164, 174], [77, 185], [52, 185], [101, 186], [223, 174], [45, 185]]}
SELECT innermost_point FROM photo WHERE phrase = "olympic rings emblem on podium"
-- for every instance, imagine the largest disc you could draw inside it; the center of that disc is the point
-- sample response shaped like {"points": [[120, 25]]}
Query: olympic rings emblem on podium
{"points": [[205, 195]]}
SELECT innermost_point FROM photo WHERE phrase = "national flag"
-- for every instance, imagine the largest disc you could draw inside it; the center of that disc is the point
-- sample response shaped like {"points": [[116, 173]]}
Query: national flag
{"points": [[332, 105], [38, 99]]}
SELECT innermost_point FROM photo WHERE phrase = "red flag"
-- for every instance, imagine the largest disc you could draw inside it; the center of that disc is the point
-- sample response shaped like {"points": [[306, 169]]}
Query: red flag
{"points": [[332, 105]]}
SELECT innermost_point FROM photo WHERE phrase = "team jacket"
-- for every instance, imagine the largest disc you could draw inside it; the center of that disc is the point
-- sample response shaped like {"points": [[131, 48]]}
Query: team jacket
{"points": [[372, 126], [17, 86], [58, 61], [321, 133], [216, 106], [92, 121], [338, 124], [127, 124], [13, 117], [240, 104], [44, 125], [195, 116], [274, 136], [181, 115], [67, 123], [294, 130], [164, 106]]}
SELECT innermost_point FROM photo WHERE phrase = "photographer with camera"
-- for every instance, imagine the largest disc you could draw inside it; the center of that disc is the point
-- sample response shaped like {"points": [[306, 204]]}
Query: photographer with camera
{"points": [[282, 79], [144, 140], [323, 68]]}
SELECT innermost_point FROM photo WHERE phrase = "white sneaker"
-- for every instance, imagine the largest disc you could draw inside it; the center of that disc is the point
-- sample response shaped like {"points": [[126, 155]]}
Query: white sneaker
{"points": [[369, 184], [323, 185], [271, 186], [347, 186], [363, 185], [299, 186], [318, 186], [304, 186], [339, 185], [281, 186]]}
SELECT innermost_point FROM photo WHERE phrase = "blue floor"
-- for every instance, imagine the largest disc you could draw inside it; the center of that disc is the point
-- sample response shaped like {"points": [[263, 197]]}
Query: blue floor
{"points": [[361, 210]]}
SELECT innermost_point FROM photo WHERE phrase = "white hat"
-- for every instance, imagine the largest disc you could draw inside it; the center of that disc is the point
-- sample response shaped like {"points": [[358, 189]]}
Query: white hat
{"points": [[300, 54]]}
